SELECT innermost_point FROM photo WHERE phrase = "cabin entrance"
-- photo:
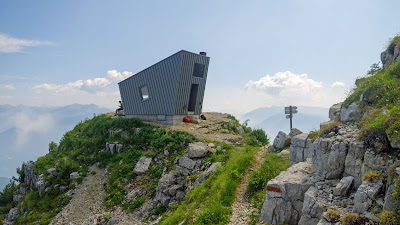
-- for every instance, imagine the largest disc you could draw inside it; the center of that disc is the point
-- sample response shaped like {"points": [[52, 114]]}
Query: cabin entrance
{"points": [[193, 97]]}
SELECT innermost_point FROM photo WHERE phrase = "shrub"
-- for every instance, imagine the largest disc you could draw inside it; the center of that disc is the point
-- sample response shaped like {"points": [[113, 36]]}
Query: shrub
{"points": [[387, 218], [260, 135], [333, 215], [372, 176], [134, 205], [350, 219]]}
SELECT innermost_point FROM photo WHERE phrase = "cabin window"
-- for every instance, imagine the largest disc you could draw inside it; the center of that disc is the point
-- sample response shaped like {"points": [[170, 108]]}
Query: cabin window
{"points": [[198, 70], [144, 91]]}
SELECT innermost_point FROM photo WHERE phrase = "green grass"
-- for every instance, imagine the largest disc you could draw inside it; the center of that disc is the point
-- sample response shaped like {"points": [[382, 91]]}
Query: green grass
{"points": [[210, 203], [271, 167]]}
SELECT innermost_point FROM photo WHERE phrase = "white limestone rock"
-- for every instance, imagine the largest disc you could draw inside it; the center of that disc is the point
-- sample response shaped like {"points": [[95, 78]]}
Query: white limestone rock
{"points": [[198, 150], [142, 165]]}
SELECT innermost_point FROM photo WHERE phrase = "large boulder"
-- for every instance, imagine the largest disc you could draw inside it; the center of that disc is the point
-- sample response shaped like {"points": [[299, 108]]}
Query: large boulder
{"points": [[30, 177], [40, 185], [12, 214], [354, 160], [52, 172], [353, 112], [205, 174], [313, 207], [280, 139], [394, 143], [285, 194], [142, 165], [74, 175], [187, 163], [301, 148], [329, 159], [198, 150], [294, 132], [366, 195], [334, 111], [343, 187]]}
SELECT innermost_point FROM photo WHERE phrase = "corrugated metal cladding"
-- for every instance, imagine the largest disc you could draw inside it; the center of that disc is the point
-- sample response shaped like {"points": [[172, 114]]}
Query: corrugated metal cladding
{"points": [[168, 82], [187, 79]]}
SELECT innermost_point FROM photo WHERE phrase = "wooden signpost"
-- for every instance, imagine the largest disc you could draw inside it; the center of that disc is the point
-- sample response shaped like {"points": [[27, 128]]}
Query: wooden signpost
{"points": [[289, 111]]}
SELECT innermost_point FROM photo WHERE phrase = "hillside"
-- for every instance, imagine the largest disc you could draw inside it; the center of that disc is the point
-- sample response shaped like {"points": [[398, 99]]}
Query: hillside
{"points": [[129, 172]]}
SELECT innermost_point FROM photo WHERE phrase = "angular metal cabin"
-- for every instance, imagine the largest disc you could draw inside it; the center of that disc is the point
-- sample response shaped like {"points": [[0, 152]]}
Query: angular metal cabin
{"points": [[167, 91]]}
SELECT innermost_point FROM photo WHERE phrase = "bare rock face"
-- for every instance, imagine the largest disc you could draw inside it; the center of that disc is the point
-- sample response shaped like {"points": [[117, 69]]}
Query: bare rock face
{"points": [[280, 139], [74, 175], [354, 160], [343, 187], [285, 193], [294, 132], [301, 148], [353, 112], [313, 207], [198, 150], [334, 111], [389, 201], [329, 158], [30, 177], [142, 165], [53, 172], [366, 195], [12, 214], [40, 185], [187, 162], [204, 175]]}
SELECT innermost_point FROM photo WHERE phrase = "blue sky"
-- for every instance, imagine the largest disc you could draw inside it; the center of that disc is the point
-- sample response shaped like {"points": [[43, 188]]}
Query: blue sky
{"points": [[263, 53]]}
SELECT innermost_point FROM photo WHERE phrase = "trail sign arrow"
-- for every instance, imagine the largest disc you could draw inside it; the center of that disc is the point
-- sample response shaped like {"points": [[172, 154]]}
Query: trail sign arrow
{"points": [[293, 107], [288, 117]]}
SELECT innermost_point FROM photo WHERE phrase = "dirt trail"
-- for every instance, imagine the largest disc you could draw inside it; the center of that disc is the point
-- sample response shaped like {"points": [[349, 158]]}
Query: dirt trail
{"points": [[88, 200], [242, 207]]}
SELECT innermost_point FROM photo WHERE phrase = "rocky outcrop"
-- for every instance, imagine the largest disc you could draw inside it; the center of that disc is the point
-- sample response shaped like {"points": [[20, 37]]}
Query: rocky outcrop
{"points": [[52, 172], [280, 140], [344, 186], [354, 160], [313, 207], [40, 185], [12, 214], [142, 165], [198, 150], [330, 158], [301, 149], [392, 54], [114, 147], [366, 195], [293, 132], [74, 175], [334, 111], [351, 113], [204, 175], [285, 194], [30, 177]]}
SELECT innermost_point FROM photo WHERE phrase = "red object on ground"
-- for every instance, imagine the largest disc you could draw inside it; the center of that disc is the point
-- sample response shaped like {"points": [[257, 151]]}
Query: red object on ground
{"points": [[186, 120]]}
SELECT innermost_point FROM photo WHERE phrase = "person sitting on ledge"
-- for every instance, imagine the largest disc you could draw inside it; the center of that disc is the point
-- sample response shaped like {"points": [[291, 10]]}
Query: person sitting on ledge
{"points": [[120, 108]]}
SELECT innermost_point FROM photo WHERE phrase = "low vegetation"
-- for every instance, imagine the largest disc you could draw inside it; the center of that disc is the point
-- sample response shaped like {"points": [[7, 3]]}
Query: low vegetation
{"points": [[210, 203], [271, 167], [332, 126], [350, 219], [333, 215], [372, 176], [388, 218]]}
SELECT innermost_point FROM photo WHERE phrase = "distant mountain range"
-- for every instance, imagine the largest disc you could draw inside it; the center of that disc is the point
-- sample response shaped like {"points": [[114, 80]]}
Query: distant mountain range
{"points": [[3, 182], [273, 119], [25, 132]]}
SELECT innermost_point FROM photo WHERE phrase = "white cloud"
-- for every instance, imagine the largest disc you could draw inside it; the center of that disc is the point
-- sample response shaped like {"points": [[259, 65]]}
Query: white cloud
{"points": [[5, 97], [118, 76], [284, 83], [11, 45], [337, 84], [7, 86], [27, 124], [281, 89]]}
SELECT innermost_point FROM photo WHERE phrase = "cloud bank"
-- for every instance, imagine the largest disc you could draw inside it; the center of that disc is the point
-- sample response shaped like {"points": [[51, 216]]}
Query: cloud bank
{"points": [[7, 87], [12, 45]]}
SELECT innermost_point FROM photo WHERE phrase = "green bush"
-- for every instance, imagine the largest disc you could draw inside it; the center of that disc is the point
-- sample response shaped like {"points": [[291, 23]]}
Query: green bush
{"points": [[134, 205], [350, 219]]}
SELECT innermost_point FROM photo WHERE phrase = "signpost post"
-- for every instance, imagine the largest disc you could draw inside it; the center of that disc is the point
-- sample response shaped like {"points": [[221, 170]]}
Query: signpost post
{"points": [[289, 111]]}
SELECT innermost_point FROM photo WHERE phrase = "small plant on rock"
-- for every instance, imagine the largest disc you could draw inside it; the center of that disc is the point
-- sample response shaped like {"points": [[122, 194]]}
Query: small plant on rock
{"points": [[350, 219], [332, 215], [387, 218], [372, 176]]}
